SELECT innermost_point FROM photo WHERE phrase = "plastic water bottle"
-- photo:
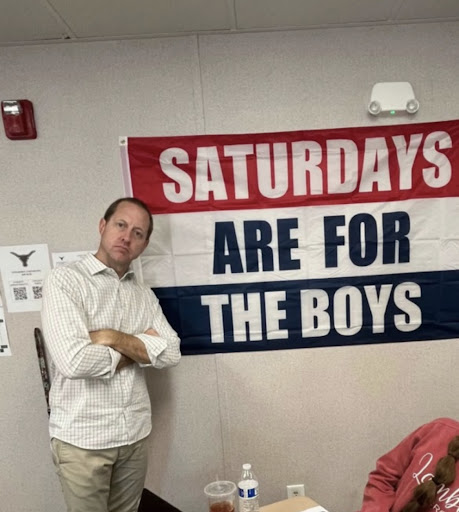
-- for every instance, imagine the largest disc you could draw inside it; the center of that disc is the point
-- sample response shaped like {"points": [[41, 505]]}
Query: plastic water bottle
{"points": [[248, 490]]}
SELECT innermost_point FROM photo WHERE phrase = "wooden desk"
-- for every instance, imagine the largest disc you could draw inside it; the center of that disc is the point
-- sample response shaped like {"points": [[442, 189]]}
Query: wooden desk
{"points": [[297, 504]]}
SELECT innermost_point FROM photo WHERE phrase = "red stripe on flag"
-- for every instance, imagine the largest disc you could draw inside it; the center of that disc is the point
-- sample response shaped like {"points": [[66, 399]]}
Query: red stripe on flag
{"points": [[302, 168]]}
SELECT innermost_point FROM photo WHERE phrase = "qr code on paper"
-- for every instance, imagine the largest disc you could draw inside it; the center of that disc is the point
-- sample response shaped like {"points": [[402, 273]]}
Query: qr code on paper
{"points": [[37, 292], [20, 293]]}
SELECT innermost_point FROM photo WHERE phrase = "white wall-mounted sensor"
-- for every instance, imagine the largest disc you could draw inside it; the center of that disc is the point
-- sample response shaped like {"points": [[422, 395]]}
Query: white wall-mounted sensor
{"points": [[392, 98]]}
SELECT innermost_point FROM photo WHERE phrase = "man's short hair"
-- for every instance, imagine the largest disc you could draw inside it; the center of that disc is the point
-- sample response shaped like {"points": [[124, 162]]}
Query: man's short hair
{"points": [[112, 209]]}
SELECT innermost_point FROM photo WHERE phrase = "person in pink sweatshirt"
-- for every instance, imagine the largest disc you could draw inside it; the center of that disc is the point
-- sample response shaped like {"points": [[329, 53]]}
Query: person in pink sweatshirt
{"points": [[419, 474]]}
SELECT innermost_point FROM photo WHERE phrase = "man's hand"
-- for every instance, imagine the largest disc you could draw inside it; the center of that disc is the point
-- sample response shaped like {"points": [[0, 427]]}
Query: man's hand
{"points": [[110, 337], [124, 361], [125, 344], [107, 337]]}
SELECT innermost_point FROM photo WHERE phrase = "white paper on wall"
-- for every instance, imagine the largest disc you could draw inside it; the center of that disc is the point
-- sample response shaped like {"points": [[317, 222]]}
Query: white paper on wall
{"points": [[4, 341], [62, 258], [23, 268]]}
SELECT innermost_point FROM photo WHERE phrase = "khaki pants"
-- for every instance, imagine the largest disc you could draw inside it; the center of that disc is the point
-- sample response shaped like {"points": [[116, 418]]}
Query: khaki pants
{"points": [[109, 480]]}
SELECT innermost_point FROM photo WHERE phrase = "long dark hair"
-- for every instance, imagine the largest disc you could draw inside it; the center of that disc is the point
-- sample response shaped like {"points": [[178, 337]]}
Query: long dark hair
{"points": [[424, 494]]}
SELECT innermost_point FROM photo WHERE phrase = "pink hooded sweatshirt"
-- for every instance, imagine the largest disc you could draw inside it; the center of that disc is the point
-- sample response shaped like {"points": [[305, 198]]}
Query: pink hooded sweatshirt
{"points": [[390, 486]]}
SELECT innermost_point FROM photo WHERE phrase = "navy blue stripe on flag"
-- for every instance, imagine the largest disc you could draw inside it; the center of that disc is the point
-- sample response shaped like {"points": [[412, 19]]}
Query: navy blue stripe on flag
{"points": [[314, 313]]}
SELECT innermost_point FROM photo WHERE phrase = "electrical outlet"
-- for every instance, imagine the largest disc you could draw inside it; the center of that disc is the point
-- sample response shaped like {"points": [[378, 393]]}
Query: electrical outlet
{"points": [[295, 490]]}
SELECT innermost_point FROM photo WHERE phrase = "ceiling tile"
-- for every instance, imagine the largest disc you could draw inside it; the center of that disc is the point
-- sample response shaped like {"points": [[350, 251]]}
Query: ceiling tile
{"points": [[428, 9], [28, 20], [105, 18], [51, 20], [303, 13]]}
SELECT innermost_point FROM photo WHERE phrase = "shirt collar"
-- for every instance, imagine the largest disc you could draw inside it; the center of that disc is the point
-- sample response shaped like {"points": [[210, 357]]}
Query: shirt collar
{"points": [[95, 266]]}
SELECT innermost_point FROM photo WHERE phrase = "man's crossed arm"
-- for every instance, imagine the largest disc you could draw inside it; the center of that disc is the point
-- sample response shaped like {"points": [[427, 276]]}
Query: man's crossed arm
{"points": [[132, 349]]}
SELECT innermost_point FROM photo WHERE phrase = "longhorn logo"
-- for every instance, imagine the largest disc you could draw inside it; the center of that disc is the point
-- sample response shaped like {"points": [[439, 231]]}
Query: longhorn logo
{"points": [[23, 257]]}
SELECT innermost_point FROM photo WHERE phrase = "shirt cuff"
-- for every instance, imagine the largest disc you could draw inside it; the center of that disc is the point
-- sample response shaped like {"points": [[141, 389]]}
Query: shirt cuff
{"points": [[116, 358], [155, 345]]}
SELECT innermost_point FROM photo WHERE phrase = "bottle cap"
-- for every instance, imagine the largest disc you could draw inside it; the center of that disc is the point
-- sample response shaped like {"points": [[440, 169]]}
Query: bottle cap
{"points": [[246, 467]]}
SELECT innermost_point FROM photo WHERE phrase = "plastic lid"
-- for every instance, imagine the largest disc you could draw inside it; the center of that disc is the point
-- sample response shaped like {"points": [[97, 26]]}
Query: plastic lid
{"points": [[246, 467], [220, 489]]}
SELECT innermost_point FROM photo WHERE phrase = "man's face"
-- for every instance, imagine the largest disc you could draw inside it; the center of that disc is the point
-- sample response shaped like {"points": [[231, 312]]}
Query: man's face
{"points": [[123, 236]]}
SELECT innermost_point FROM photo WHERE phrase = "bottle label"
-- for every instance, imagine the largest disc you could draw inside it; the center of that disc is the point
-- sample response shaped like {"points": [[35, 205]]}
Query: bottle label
{"points": [[248, 493]]}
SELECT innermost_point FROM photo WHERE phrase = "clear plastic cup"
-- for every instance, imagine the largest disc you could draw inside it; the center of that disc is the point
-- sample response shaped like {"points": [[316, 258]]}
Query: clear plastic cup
{"points": [[221, 496]]}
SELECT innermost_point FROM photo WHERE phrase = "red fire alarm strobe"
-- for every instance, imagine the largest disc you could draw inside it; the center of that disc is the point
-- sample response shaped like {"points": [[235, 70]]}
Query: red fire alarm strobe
{"points": [[18, 119]]}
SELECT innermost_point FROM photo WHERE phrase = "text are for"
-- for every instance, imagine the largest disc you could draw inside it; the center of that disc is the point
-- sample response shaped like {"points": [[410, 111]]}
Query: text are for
{"points": [[261, 247]]}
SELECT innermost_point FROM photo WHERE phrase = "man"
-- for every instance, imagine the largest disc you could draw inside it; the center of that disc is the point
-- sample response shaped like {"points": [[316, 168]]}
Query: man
{"points": [[102, 327]]}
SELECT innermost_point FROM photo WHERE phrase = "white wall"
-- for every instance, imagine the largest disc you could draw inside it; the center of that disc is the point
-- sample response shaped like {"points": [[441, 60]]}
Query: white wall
{"points": [[318, 416]]}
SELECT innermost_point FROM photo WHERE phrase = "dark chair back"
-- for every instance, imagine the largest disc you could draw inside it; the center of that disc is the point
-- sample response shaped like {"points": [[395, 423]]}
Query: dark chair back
{"points": [[43, 364], [150, 502]]}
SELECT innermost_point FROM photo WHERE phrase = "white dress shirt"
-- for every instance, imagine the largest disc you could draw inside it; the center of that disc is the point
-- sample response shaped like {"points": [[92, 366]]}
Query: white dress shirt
{"points": [[93, 406]]}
